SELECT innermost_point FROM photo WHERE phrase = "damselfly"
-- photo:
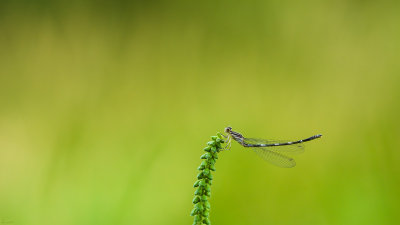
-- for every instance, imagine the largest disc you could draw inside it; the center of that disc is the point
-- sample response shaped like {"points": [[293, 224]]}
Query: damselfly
{"points": [[273, 151]]}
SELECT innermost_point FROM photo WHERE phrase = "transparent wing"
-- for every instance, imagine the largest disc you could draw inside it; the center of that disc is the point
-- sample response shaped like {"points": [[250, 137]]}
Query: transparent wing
{"points": [[275, 158], [290, 149]]}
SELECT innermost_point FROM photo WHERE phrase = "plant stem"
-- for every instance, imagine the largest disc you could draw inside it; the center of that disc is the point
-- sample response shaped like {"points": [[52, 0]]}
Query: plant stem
{"points": [[201, 209]]}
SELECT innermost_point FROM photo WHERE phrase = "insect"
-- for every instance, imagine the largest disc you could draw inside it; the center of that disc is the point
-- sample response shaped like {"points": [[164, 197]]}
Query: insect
{"points": [[272, 151]]}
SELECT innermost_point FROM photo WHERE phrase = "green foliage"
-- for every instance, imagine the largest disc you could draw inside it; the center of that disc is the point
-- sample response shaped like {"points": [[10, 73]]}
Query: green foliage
{"points": [[201, 209], [100, 104]]}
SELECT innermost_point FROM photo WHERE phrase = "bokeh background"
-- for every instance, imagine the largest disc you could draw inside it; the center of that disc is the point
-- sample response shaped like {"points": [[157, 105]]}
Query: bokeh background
{"points": [[105, 108]]}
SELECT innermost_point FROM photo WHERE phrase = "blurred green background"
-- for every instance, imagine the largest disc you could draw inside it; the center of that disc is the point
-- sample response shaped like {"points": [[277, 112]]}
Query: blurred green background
{"points": [[105, 108]]}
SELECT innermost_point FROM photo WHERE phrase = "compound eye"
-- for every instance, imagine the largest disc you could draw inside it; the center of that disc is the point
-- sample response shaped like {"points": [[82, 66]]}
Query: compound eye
{"points": [[228, 129]]}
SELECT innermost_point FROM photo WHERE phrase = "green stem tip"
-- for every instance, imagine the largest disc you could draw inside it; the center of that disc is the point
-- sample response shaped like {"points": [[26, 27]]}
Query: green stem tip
{"points": [[201, 209]]}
